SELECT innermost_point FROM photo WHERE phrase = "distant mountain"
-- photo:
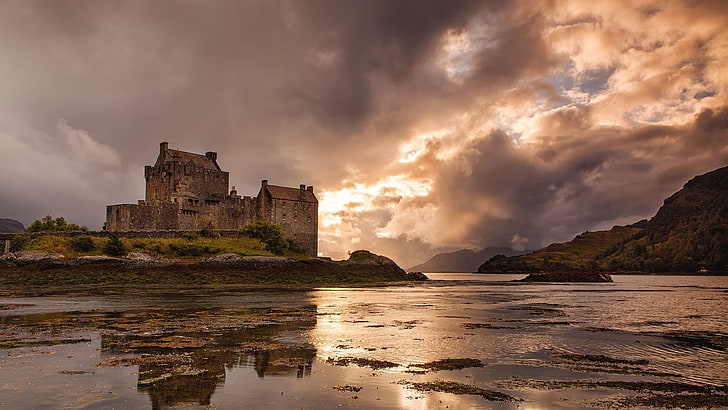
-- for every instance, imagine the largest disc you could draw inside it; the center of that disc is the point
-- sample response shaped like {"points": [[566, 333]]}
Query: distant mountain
{"points": [[464, 260], [11, 225], [689, 233]]}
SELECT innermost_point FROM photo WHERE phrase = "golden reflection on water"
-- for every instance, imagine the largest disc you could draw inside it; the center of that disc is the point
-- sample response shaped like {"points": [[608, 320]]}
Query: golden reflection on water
{"points": [[263, 348]]}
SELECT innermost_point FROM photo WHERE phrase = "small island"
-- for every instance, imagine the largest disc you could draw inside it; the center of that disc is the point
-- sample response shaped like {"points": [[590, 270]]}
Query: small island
{"points": [[569, 276], [46, 272], [189, 230]]}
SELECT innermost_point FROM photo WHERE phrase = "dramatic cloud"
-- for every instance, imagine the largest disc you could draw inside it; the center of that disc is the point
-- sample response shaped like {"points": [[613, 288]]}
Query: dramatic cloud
{"points": [[424, 125]]}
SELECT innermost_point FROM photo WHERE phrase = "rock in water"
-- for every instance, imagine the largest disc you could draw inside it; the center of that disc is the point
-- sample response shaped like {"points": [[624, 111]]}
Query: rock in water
{"points": [[576, 276]]}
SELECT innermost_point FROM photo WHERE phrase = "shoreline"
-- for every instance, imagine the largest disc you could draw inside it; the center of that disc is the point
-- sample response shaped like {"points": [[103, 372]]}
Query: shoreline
{"points": [[46, 273]]}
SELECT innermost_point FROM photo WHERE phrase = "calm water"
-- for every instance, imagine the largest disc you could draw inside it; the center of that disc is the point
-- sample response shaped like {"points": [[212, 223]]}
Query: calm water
{"points": [[237, 349]]}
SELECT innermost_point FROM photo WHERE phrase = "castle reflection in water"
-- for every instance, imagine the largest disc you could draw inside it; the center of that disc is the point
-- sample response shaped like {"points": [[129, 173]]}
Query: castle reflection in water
{"points": [[186, 367]]}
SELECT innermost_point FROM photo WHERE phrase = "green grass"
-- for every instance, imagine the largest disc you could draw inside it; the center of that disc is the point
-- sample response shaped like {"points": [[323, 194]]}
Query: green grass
{"points": [[172, 248]]}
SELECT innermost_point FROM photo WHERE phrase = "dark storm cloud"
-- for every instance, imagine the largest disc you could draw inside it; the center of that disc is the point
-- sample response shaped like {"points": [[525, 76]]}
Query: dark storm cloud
{"points": [[593, 181], [424, 125], [247, 79]]}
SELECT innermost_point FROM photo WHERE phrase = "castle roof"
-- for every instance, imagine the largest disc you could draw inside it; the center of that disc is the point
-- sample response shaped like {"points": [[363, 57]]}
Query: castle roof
{"points": [[292, 194], [203, 161]]}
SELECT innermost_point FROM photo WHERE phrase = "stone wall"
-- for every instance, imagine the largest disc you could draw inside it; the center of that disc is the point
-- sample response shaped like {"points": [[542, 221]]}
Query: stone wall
{"points": [[174, 179], [298, 221], [154, 216]]}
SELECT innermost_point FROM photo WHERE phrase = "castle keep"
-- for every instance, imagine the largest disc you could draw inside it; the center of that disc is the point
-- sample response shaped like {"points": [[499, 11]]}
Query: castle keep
{"points": [[189, 192]]}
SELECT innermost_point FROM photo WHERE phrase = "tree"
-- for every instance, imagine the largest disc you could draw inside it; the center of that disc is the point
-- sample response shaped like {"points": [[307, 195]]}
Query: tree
{"points": [[115, 247], [269, 234], [50, 224]]}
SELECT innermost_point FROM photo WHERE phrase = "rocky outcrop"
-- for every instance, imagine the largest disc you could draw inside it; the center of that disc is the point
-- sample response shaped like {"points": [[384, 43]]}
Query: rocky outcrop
{"points": [[568, 276]]}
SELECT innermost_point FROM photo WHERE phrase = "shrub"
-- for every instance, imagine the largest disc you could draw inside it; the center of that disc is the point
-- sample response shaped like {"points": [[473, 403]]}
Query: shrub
{"points": [[114, 247], [18, 243], [193, 250], [271, 235], [209, 233], [190, 236], [294, 247], [82, 243]]}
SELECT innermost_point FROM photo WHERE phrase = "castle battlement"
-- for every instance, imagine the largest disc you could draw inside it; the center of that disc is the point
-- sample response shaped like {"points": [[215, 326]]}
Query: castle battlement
{"points": [[189, 192]]}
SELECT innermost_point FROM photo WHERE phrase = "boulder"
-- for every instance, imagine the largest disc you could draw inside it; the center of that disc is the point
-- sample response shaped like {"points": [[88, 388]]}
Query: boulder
{"points": [[140, 257]]}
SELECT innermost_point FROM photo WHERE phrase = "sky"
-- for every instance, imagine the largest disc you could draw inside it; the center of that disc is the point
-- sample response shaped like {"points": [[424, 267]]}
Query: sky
{"points": [[424, 125]]}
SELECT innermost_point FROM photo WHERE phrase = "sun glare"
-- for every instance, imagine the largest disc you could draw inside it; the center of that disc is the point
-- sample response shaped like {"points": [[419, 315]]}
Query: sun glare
{"points": [[359, 197]]}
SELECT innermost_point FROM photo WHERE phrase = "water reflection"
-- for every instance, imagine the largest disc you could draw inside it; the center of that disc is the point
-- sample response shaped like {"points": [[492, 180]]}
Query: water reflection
{"points": [[184, 352], [260, 348]]}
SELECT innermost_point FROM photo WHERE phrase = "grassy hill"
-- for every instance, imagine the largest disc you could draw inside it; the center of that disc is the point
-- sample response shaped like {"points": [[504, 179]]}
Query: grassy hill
{"points": [[192, 248], [689, 233], [577, 254]]}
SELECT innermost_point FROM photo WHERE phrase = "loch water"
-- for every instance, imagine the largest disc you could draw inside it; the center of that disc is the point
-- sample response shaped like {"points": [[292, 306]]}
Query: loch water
{"points": [[544, 345]]}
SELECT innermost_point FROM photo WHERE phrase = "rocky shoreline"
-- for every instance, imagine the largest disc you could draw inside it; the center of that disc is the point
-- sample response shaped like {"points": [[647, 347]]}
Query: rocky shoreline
{"points": [[39, 269]]}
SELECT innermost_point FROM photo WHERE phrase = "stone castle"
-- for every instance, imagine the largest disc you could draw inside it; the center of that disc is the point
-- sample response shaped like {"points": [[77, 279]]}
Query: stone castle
{"points": [[189, 192]]}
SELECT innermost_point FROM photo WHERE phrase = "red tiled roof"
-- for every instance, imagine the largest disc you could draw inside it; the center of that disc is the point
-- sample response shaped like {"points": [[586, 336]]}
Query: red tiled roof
{"points": [[293, 194]]}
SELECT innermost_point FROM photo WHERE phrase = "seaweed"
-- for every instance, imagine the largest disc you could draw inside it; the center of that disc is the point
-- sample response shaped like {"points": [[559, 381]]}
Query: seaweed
{"points": [[457, 388]]}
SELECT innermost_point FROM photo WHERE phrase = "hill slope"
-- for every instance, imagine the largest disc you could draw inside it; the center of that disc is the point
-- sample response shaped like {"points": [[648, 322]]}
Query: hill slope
{"points": [[578, 254], [688, 233], [11, 225], [464, 260]]}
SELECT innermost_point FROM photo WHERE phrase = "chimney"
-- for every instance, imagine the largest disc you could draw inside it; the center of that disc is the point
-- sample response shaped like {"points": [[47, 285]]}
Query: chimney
{"points": [[264, 183], [212, 156], [163, 146], [310, 189], [303, 187], [234, 192]]}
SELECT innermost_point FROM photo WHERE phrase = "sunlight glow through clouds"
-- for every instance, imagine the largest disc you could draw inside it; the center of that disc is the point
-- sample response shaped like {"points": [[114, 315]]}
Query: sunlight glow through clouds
{"points": [[361, 197], [456, 57]]}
